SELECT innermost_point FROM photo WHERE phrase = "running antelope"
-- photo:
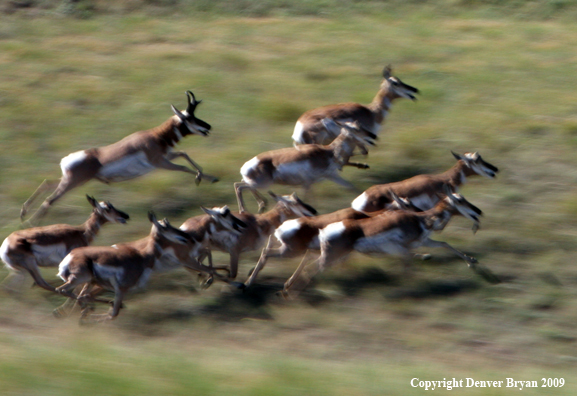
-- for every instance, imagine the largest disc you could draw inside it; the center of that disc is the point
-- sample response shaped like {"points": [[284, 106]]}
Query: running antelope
{"points": [[424, 191], [172, 256], [298, 236], [310, 129], [302, 166], [133, 156], [398, 234], [121, 267], [258, 228], [27, 250]]}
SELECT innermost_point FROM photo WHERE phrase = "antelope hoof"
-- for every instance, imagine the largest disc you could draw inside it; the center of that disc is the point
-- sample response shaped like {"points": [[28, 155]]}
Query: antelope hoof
{"points": [[364, 166], [238, 285], [207, 283], [22, 213], [198, 179], [58, 313], [472, 260]]}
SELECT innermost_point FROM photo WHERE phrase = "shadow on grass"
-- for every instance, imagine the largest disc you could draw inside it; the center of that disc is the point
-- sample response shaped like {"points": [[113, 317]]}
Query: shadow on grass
{"points": [[437, 288]]}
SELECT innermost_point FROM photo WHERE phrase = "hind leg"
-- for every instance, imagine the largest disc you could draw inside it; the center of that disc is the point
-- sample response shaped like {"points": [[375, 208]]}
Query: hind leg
{"points": [[44, 186], [15, 281]]}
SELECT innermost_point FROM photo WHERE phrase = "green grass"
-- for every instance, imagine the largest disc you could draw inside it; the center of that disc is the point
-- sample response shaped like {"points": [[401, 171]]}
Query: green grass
{"points": [[497, 78]]}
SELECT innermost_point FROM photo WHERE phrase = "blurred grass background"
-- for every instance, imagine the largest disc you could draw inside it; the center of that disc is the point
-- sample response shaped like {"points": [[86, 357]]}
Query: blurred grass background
{"points": [[496, 77]]}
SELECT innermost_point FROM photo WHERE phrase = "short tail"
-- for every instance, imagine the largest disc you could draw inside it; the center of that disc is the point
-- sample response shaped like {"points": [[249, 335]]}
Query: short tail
{"points": [[64, 268]]}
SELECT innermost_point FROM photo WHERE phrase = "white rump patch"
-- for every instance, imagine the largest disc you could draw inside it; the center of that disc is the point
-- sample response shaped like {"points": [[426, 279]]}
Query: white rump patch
{"points": [[360, 202], [126, 168], [63, 267], [4, 254], [298, 133], [331, 231], [287, 229], [247, 167], [71, 160], [49, 255]]}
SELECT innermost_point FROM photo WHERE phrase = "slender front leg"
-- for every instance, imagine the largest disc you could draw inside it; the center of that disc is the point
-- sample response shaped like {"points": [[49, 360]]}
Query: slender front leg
{"points": [[239, 187], [431, 243], [342, 182], [297, 272], [44, 186], [260, 264], [357, 165], [175, 154]]}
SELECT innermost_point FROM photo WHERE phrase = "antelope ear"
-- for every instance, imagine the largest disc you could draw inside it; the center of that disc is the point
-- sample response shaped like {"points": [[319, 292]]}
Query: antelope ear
{"points": [[387, 71], [178, 113], [207, 211], [92, 201], [273, 195], [152, 218], [457, 156]]}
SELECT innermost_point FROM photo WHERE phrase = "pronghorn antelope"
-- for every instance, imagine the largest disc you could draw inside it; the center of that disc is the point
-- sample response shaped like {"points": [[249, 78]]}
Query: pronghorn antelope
{"points": [[425, 191], [297, 236], [258, 228], [310, 129], [173, 256], [302, 166], [133, 156], [122, 267], [398, 233], [26, 250]]}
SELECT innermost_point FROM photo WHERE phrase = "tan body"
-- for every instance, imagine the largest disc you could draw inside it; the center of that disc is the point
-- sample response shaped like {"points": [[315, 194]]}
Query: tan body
{"points": [[300, 235], [398, 233], [310, 129], [425, 191], [302, 166], [258, 229], [131, 157], [123, 266], [27, 250]]}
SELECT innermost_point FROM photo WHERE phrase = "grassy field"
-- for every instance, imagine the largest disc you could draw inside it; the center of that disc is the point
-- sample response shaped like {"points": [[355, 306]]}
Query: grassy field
{"points": [[495, 79]]}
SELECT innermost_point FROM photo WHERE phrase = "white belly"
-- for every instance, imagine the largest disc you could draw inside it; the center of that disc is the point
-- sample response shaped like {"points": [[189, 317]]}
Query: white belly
{"points": [[49, 255], [298, 173], [424, 201], [125, 168], [224, 241], [388, 242], [109, 276]]}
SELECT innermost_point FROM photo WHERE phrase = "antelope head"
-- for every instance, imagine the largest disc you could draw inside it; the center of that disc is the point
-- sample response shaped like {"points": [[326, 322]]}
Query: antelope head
{"points": [[463, 207], [109, 212], [399, 203], [294, 204], [187, 118], [398, 88], [223, 217], [477, 164], [164, 229]]}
